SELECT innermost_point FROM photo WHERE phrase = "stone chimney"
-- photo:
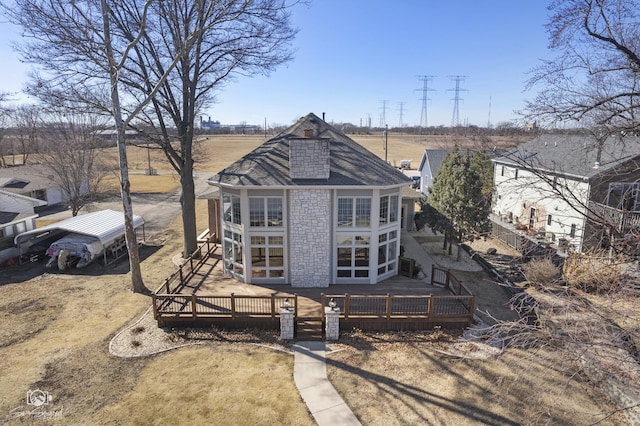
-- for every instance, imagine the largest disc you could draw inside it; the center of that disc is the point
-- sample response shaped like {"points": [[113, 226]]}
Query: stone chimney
{"points": [[309, 157]]}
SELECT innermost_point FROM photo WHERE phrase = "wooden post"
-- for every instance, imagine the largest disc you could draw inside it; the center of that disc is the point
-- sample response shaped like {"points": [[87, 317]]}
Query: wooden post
{"points": [[430, 307], [233, 306], [155, 306], [472, 308], [323, 303], [388, 307], [166, 282], [273, 305], [346, 305], [181, 277], [194, 314], [295, 301]]}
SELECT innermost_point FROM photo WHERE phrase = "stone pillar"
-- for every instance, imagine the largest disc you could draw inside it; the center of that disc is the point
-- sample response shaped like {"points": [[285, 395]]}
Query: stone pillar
{"points": [[332, 328], [286, 324]]}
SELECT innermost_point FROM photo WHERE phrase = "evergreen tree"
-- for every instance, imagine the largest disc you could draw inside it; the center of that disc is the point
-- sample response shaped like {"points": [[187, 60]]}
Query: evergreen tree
{"points": [[461, 193]]}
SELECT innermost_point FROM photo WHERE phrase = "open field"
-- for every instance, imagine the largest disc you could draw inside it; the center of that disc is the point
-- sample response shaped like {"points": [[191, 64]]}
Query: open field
{"points": [[56, 330]]}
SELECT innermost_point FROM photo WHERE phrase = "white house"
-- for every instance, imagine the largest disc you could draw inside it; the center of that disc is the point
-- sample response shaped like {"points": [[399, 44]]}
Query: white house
{"points": [[311, 208], [17, 215], [35, 181], [570, 188], [429, 166]]}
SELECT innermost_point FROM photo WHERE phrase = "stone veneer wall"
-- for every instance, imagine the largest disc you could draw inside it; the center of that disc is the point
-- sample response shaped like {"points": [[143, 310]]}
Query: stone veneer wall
{"points": [[309, 159], [310, 216]]}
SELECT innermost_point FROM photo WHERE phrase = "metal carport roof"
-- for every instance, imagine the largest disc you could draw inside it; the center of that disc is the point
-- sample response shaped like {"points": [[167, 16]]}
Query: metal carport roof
{"points": [[106, 225]]}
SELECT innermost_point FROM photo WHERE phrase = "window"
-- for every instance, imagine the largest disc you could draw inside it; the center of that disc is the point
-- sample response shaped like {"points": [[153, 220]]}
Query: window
{"points": [[572, 234], [387, 253], [267, 256], [353, 256], [388, 209], [232, 247], [549, 219], [624, 196], [502, 171], [265, 211], [231, 208], [555, 182], [354, 212], [516, 175]]}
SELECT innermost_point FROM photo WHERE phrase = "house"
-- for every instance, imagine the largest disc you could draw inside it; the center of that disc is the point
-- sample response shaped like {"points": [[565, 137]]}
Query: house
{"points": [[34, 181], [570, 190], [310, 208], [17, 215], [429, 166]]}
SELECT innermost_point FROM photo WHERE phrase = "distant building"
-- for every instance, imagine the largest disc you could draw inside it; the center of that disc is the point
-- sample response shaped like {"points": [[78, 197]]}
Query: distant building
{"points": [[209, 125]]}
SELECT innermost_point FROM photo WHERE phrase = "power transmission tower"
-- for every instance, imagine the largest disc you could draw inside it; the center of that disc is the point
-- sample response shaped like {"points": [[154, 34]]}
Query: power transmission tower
{"points": [[369, 120], [383, 115], [425, 79], [455, 118], [401, 109]]}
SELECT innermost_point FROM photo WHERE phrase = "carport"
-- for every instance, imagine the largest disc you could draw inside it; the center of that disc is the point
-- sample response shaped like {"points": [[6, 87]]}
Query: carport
{"points": [[107, 226]]}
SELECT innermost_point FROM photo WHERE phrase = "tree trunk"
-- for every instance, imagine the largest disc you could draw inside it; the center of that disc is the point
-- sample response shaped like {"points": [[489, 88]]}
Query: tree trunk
{"points": [[188, 201], [137, 284]]}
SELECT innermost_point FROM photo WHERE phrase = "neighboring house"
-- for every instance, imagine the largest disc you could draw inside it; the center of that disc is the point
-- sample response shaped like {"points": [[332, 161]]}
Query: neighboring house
{"points": [[310, 208], [560, 187], [35, 181], [429, 166], [17, 215]]}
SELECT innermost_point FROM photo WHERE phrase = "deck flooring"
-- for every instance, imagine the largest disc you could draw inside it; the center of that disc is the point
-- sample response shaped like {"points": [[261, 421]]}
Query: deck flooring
{"points": [[210, 280]]}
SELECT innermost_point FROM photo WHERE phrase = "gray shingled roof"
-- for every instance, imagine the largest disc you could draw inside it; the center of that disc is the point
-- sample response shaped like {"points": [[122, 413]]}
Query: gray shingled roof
{"points": [[351, 164], [573, 155], [435, 157]]}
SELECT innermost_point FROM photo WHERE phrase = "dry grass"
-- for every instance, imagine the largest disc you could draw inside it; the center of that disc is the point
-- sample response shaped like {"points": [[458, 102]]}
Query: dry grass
{"points": [[55, 334], [541, 271], [159, 184], [408, 383]]}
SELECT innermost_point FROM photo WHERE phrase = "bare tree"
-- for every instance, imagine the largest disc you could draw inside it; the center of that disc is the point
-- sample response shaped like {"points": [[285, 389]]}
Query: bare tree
{"points": [[231, 37], [71, 152], [25, 120], [595, 78], [82, 59]]}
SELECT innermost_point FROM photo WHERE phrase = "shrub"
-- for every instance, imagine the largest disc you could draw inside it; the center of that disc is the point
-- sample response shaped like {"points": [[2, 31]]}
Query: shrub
{"points": [[593, 274], [541, 271]]}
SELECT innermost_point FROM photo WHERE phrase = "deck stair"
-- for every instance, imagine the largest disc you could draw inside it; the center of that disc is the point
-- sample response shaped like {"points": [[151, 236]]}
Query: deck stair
{"points": [[309, 329]]}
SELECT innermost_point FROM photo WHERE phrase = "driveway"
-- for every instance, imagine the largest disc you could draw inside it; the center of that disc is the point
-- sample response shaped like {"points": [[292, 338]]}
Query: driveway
{"points": [[158, 210]]}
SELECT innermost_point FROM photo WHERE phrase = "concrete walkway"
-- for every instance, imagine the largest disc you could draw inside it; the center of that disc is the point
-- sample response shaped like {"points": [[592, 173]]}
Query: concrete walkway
{"points": [[310, 375]]}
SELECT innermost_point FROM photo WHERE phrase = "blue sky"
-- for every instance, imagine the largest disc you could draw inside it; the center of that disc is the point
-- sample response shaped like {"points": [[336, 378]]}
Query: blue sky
{"points": [[352, 54]]}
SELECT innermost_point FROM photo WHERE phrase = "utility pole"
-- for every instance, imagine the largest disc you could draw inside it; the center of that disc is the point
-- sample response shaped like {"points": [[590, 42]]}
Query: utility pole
{"points": [[455, 118], [386, 142], [489, 120], [425, 79]]}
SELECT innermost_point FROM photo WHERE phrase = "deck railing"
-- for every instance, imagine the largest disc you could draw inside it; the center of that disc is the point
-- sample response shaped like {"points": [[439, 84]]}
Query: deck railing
{"points": [[189, 267], [194, 308], [622, 221], [444, 277], [434, 309]]}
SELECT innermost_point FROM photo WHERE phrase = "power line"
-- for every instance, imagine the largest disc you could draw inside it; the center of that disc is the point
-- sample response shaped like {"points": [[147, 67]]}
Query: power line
{"points": [[457, 79], [425, 79], [383, 115], [401, 109]]}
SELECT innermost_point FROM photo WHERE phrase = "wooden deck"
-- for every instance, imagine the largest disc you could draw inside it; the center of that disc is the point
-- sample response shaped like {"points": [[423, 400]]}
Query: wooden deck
{"points": [[209, 279]]}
